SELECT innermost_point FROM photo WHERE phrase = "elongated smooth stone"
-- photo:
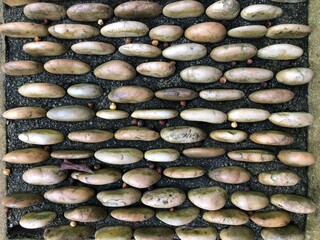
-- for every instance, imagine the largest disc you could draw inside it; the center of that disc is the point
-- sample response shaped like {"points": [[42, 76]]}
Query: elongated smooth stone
{"points": [[251, 155], [112, 114], [23, 30], [250, 31], [295, 76], [163, 197], [24, 113], [114, 233], [26, 156], [44, 48], [274, 138], [156, 69], [138, 9], [85, 90], [233, 52], [230, 175], [248, 115], [68, 232], [140, 50], [282, 51], [271, 96], [196, 233], [249, 200], [34, 220], [155, 114], [288, 31], [99, 177], [206, 32], [72, 154], [115, 70], [90, 136], [86, 214], [125, 29], [208, 198], [166, 33], [44, 175], [228, 135], [203, 152], [178, 217], [260, 12], [133, 214], [294, 203], [291, 119], [15, 3], [237, 233], [184, 172], [288, 232], [119, 156], [176, 94], [279, 178], [119, 197], [42, 11], [223, 10], [183, 9], [200, 74], [162, 155], [271, 219], [93, 48], [296, 158], [288, 1], [41, 136], [141, 177], [73, 31], [67, 66], [22, 68], [21, 200], [227, 217], [134, 133], [204, 115], [182, 134], [154, 233], [221, 94], [248, 75], [89, 12], [41, 90], [185, 52], [130, 94], [71, 113], [69, 195]]}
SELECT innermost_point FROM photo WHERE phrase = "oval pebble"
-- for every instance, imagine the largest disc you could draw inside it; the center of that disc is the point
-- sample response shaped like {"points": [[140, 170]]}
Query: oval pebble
{"points": [[294, 203], [226, 216], [141, 177], [155, 114], [249, 200], [23, 30], [86, 214], [208, 198], [119, 197], [115, 70], [44, 11], [98, 177], [260, 12], [206, 32], [166, 33], [223, 10], [296, 158], [71, 113], [279, 178], [271, 219], [69, 195], [162, 155], [133, 214], [200, 74], [228, 135], [85, 90], [44, 175], [93, 48], [221, 94], [15, 3], [176, 94], [288, 232], [250, 31], [22, 68], [248, 115], [41, 90], [163, 197], [34, 220], [71, 154], [138, 9], [282, 51], [119, 156], [68, 232], [66, 66], [248, 75], [90, 136], [233, 52], [230, 175], [114, 233], [125, 29], [203, 152], [184, 172], [26, 156], [291, 119], [156, 69], [44, 48], [110, 114], [41, 136], [237, 233], [271, 96], [178, 217], [251, 155], [295, 76], [183, 9], [273, 138], [89, 12], [134, 133], [212, 116], [140, 50], [21, 200], [130, 94], [182, 134], [288, 31], [185, 52], [73, 31], [24, 113], [154, 233], [196, 233]]}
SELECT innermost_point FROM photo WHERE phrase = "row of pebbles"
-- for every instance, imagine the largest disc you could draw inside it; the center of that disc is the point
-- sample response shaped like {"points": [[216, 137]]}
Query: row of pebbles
{"points": [[210, 200]]}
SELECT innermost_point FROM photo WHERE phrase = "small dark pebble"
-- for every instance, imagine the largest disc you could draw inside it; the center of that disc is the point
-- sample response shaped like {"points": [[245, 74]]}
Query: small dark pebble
{"points": [[90, 104], [183, 103], [151, 165], [134, 122], [128, 41], [162, 122], [140, 123], [46, 148]]}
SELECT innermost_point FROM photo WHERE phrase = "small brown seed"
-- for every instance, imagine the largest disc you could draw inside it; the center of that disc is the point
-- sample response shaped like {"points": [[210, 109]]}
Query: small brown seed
{"points": [[223, 80], [233, 63], [155, 42], [100, 22], [134, 122], [128, 41], [165, 45], [124, 185], [90, 104], [162, 122], [159, 170], [96, 166], [183, 103], [249, 61]]}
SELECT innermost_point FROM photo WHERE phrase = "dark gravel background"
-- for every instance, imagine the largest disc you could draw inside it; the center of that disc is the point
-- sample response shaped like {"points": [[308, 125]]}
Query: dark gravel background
{"points": [[293, 13]]}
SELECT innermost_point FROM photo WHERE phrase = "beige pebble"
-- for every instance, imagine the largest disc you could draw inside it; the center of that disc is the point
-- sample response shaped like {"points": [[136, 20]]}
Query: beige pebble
{"points": [[183, 9], [282, 51], [273, 138], [250, 31]]}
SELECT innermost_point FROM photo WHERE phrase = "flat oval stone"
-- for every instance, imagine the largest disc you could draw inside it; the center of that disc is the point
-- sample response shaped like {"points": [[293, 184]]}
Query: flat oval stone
{"points": [[115, 70], [203, 152], [24, 113], [141, 177], [133, 214], [200, 74], [41, 137], [249, 200], [21, 200], [93, 48], [90, 136], [279, 178], [288, 31], [228, 135], [98, 177], [34, 220], [271, 219], [294, 203], [163, 197], [288, 232], [288, 1], [44, 175], [69, 195], [273, 138], [230, 175], [176, 94], [110, 114], [86, 214], [182, 134], [162, 155], [155, 114], [22, 68], [178, 217], [248, 75], [226, 217], [154, 233], [15, 3], [237, 233], [130, 94], [233, 52], [271, 96], [134, 133], [260, 12], [206, 32], [44, 48], [85, 90], [282, 51], [185, 52], [166, 33], [196, 233], [119, 156], [71, 113], [138, 9], [42, 11], [114, 233], [248, 115], [72, 154], [291, 119], [208, 198], [212, 116], [295, 76], [250, 31], [296, 158], [26, 156], [183, 9], [251, 155], [221, 94], [23, 30], [41, 90], [68, 232], [184, 172], [223, 10], [119, 197], [67, 66], [89, 12], [73, 31], [140, 50], [125, 29], [156, 69]]}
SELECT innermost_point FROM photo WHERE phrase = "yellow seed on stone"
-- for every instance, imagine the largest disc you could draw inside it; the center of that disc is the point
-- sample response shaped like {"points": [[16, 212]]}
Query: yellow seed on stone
{"points": [[113, 106], [234, 124], [73, 223], [6, 172]]}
